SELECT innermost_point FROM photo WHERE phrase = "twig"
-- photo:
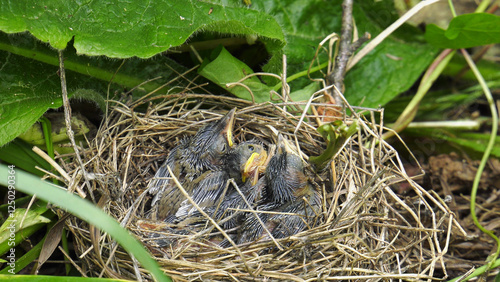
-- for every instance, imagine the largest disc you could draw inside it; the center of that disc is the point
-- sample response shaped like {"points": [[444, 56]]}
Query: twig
{"points": [[345, 52], [376, 41], [67, 117], [346, 49], [68, 257], [48, 159]]}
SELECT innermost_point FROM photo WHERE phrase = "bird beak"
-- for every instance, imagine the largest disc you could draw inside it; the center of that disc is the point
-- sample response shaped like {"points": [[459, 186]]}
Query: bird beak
{"points": [[248, 166], [284, 146], [255, 177], [252, 165], [228, 120]]}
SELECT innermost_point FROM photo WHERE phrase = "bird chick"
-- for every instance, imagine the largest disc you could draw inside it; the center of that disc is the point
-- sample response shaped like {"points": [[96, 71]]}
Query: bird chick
{"points": [[292, 201], [252, 193], [205, 151], [212, 187]]}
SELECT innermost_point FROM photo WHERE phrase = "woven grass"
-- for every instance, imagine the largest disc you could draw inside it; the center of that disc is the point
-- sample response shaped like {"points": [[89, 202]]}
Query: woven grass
{"points": [[365, 229]]}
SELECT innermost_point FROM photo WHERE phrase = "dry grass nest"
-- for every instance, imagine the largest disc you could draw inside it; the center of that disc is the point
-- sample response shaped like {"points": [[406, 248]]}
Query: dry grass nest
{"points": [[365, 229]]}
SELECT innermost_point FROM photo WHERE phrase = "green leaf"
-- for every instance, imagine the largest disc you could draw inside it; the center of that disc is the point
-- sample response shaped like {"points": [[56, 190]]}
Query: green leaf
{"points": [[19, 237], [18, 202], [37, 217], [336, 134], [224, 68], [43, 278], [466, 31], [13, 224], [29, 81], [19, 263], [390, 69], [305, 24], [23, 101], [305, 93], [475, 142], [126, 29], [19, 153], [30, 184]]}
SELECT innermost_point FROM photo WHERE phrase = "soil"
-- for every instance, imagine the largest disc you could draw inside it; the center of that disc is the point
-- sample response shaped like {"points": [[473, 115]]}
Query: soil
{"points": [[452, 176]]}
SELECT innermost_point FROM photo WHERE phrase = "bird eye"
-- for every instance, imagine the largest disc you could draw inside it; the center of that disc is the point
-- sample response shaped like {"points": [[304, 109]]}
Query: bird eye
{"points": [[251, 148], [223, 148]]}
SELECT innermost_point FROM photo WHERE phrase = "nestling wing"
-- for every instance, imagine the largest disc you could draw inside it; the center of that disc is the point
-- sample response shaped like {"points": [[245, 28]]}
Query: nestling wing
{"points": [[207, 191]]}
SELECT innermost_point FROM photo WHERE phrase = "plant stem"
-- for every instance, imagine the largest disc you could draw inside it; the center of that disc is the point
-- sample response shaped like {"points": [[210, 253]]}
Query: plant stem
{"points": [[487, 152], [121, 79], [452, 8], [345, 50], [300, 74], [432, 73]]}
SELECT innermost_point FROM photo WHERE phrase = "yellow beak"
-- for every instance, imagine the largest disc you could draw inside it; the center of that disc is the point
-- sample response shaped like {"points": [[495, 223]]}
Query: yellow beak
{"points": [[228, 130], [248, 166]]}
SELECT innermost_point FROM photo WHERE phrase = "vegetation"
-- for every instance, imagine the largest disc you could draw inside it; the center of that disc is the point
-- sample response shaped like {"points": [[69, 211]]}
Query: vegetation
{"points": [[112, 48]]}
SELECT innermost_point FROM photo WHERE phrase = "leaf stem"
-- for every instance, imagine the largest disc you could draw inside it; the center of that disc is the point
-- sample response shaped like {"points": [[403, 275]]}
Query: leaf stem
{"points": [[121, 79], [47, 135], [487, 152], [301, 74], [452, 8], [482, 6], [479, 271], [432, 73], [447, 124]]}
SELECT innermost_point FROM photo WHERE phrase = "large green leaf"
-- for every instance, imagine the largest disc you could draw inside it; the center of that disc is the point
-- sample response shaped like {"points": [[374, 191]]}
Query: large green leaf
{"points": [[224, 68], [387, 71], [305, 23], [466, 31], [124, 29], [27, 90], [129, 28], [29, 81], [392, 68]]}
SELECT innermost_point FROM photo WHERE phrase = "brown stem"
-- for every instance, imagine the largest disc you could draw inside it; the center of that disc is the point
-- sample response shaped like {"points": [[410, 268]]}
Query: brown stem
{"points": [[345, 50], [67, 118]]}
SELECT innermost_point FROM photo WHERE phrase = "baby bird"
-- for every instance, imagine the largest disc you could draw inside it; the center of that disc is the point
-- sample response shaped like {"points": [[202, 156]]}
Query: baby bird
{"points": [[211, 189], [253, 191], [292, 201], [204, 152]]}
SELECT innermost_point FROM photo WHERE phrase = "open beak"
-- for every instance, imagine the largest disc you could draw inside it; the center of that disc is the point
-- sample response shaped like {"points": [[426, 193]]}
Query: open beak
{"points": [[252, 166], [228, 120]]}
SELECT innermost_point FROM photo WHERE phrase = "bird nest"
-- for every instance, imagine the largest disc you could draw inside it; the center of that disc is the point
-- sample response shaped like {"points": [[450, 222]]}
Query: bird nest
{"points": [[364, 230]]}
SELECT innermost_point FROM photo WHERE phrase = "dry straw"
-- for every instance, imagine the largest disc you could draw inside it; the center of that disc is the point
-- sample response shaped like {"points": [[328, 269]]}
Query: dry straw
{"points": [[365, 229]]}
